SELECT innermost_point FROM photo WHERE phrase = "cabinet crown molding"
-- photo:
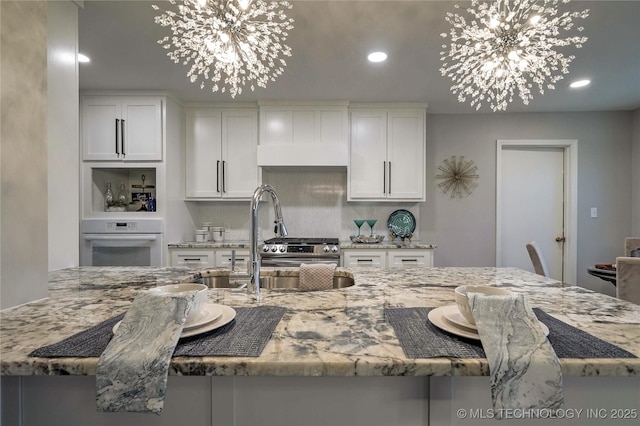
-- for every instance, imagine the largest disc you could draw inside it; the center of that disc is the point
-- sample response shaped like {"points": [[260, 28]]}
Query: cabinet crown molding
{"points": [[389, 105]]}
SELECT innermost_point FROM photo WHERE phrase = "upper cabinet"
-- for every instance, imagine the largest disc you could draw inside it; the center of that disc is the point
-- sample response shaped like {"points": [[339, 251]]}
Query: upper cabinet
{"points": [[221, 152], [303, 134], [387, 154], [121, 128]]}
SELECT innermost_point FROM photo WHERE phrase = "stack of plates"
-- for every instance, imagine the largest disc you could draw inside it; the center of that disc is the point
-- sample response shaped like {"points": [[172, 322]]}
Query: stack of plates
{"points": [[449, 318], [213, 316]]}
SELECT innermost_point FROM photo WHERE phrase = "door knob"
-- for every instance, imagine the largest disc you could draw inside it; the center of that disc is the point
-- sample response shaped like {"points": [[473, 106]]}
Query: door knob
{"points": [[560, 239]]}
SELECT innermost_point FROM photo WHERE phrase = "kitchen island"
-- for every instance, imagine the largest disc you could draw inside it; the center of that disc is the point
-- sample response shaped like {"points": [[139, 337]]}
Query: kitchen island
{"points": [[333, 353]]}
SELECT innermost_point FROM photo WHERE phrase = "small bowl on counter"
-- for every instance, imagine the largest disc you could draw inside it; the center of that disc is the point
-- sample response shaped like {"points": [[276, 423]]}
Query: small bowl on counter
{"points": [[198, 302], [462, 300], [367, 239]]}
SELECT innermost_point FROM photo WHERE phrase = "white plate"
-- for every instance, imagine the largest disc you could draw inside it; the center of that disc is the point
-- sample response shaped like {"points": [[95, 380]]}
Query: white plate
{"points": [[210, 312], [228, 314], [453, 315], [437, 318]]}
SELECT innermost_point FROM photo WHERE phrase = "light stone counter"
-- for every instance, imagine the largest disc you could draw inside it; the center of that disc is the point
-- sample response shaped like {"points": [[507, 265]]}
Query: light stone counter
{"points": [[232, 244], [387, 244], [327, 333]]}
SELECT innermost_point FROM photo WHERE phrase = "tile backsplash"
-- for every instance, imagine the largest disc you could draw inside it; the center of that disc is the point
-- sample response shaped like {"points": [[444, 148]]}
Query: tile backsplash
{"points": [[314, 204]]}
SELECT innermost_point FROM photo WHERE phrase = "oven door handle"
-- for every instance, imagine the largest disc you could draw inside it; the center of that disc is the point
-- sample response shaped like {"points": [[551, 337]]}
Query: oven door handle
{"points": [[120, 237]]}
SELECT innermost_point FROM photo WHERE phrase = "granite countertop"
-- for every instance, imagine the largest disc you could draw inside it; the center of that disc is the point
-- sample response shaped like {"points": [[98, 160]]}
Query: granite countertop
{"points": [[387, 244], [344, 244], [233, 244], [325, 333]]}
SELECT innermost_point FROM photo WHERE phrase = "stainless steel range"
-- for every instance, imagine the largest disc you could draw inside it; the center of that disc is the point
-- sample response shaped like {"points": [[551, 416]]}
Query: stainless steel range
{"points": [[292, 251]]}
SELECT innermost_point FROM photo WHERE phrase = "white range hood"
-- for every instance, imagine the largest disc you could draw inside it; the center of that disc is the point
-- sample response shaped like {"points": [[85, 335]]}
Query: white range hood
{"points": [[304, 134]]}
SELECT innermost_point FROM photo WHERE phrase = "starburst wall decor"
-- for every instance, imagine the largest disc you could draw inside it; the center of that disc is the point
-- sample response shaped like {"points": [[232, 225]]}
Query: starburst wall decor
{"points": [[232, 43], [458, 176], [503, 47]]}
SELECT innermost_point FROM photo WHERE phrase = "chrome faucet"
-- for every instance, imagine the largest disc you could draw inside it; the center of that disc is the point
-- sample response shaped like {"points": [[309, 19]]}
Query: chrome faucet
{"points": [[253, 266]]}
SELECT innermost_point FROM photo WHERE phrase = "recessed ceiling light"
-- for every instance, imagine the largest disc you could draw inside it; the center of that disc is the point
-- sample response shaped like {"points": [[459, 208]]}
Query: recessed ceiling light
{"points": [[580, 83], [83, 58], [377, 57]]}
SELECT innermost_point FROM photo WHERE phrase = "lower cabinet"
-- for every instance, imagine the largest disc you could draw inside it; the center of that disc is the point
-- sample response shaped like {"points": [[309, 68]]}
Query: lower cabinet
{"points": [[409, 257], [386, 258], [373, 257], [208, 258], [224, 259]]}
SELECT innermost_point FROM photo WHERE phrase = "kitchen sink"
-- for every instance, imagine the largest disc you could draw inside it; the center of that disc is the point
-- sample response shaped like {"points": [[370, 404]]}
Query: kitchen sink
{"points": [[269, 281]]}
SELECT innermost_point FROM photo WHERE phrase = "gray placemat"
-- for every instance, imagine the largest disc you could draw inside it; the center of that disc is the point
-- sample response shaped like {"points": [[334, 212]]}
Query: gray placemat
{"points": [[246, 335], [421, 339]]}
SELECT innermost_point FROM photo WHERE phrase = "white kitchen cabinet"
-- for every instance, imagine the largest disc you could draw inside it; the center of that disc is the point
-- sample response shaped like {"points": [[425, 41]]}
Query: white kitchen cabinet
{"points": [[387, 154], [387, 258], [373, 257], [223, 259], [121, 128], [208, 258], [220, 153], [193, 258], [409, 257], [303, 134]]}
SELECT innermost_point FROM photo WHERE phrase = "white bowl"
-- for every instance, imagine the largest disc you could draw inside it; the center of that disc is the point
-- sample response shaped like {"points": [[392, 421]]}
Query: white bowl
{"points": [[198, 302], [460, 295]]}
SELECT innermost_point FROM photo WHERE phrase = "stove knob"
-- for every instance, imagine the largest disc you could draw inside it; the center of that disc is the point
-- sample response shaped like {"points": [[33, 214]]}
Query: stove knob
{"points": [[326, 249], [282, 249], [334, 249], [274, 248], [265, 248]]}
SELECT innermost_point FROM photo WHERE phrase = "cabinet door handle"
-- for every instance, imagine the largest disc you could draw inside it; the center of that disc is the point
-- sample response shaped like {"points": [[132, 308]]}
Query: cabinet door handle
{"points": [[389, 177], [122, 136], [224, 187], [384, 177], [364, 260], [409, 260], [192, 260], [117, 128], [218, 176]]}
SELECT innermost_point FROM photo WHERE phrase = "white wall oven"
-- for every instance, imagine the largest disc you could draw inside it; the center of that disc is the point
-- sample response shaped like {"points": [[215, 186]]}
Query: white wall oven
{"points": [[113, 242]]}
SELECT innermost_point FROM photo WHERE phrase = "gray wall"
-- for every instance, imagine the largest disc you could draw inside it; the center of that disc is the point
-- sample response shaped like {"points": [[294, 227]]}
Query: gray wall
{"points": [[23, 152], [314, 200], [465, 228]]}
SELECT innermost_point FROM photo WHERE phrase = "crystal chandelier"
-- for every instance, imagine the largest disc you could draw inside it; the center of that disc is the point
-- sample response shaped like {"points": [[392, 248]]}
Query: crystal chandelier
{"points": [[240, 39], [508, 46]]}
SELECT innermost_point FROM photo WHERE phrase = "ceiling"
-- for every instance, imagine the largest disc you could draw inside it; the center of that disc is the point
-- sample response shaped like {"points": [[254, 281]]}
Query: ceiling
{"points": [[330, 41]]}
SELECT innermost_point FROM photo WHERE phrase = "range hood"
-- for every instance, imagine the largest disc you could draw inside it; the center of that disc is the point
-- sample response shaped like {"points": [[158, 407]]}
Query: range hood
{"points": [[303, 134], [303, 154]]}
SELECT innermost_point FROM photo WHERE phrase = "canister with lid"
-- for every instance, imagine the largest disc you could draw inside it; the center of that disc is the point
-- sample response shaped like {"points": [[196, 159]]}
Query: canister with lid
{"points": [[201, 235]]}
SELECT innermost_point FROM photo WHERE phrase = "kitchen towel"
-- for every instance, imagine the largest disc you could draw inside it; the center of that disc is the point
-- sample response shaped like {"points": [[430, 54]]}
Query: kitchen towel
{"points": [[247, 335], [316, 276], [525, 371], [132, 371], [421, 339]]}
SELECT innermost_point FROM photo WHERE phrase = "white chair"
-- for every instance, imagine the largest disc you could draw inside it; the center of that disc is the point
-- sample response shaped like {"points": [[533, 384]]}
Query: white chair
{"points": [[631, 243], [539, 265], [628, 279]]}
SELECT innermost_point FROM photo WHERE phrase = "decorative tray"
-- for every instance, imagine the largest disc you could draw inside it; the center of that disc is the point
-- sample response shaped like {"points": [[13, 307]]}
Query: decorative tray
{"points": [[366, 239]]}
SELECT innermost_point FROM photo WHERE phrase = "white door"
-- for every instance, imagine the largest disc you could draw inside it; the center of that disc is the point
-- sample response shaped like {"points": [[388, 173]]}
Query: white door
{"points": [[142, 138], [239, 174], [534, 195], [203, 152], [368, 155], [101, 128], [406, 146]]}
